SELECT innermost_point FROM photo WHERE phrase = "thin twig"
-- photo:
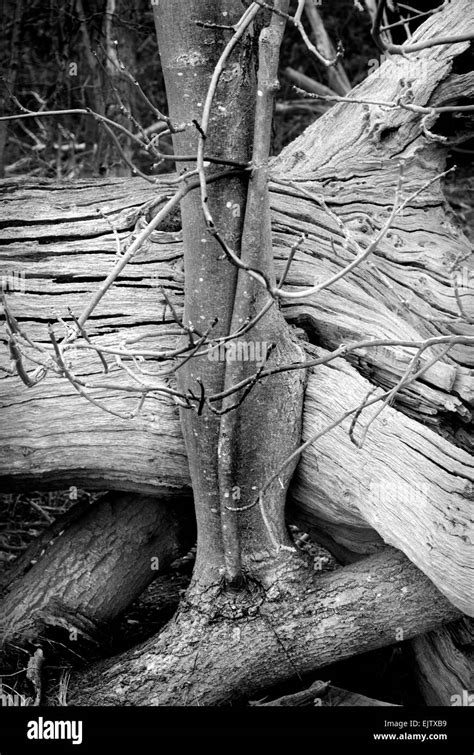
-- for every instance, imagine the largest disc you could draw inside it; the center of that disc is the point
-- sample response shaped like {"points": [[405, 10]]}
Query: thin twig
{"points": [[383, 103], [343, 351], [362, 253], [403, 49], [87, 339], [309, 45], [396, 389]]}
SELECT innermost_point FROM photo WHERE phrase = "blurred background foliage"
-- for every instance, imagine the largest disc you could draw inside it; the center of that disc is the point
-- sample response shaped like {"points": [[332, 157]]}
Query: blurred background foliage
{"points": [[67, 54], [54, 55]]}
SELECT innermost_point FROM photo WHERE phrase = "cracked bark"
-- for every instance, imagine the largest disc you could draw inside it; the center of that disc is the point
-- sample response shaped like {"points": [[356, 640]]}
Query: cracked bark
{"points": [[90, 571], [300, 625]]}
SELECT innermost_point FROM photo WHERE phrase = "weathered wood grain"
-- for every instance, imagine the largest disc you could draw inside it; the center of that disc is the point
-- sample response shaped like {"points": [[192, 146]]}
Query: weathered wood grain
{"points": [[406, 486], [54, 235], [445, 663]]}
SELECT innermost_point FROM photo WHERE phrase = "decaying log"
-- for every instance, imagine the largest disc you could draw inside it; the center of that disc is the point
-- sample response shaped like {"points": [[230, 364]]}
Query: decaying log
{"points": [[205, 656], [404, 473], [443, 658], [91, 572], [64, 249], [68, 444], [352, 155], [445, 663], [406, 486], [323, 694]]}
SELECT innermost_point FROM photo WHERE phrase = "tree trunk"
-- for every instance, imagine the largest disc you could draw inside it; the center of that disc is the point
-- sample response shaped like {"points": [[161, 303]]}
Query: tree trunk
{"points": [[297, 627], [231, 452], [108, 45], [14, 12], [445, 663], [91, 570], [119, 91]]}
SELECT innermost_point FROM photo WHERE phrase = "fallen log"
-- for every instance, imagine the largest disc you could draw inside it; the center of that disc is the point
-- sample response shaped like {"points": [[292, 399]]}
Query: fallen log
{"points": [[444, 660], [406, 486], [90, 572], [323, 694], [51, 437], [288, 633]]}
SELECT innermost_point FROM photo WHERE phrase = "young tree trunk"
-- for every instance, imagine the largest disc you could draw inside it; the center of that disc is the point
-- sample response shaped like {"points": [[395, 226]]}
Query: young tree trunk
{"points": [[107, 46], [230, 455], [12, 11], [118, 87]]}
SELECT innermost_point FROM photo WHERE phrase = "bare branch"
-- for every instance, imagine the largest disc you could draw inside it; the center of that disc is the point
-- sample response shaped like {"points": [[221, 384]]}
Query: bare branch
{"points": [[400, 103], [306, 83], [357, 409], [343, 351], [297, 23], [362, 253], [403, 49], [86, 338], [336, 74]]}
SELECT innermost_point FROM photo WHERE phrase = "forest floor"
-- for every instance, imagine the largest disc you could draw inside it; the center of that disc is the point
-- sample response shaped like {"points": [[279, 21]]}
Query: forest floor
{"points": [[383, 674]]}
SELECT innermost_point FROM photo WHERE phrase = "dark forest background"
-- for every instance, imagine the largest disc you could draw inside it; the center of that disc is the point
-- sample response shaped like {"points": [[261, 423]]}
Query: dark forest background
{"points": [[57, 55]]}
